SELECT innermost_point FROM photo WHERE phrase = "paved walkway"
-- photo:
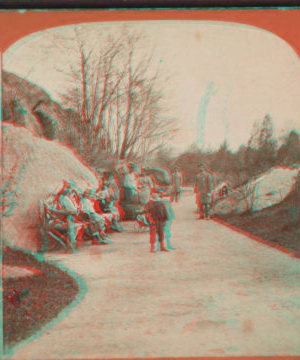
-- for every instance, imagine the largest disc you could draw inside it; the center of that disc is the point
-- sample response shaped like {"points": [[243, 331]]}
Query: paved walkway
{"points": [[219, 294]]}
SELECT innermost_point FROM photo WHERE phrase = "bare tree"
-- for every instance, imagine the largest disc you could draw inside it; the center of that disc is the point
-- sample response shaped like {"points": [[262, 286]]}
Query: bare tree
{"points": [[116, 93], [92, 80], [248, 193]]}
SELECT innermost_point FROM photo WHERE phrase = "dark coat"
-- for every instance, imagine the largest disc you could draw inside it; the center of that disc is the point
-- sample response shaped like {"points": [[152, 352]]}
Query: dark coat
{"points": [[158, 211], [204, 187]]}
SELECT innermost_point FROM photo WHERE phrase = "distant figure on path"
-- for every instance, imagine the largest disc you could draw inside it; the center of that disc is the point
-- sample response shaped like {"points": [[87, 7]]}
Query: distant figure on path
{"points": [[203, 189], [177, 182]]}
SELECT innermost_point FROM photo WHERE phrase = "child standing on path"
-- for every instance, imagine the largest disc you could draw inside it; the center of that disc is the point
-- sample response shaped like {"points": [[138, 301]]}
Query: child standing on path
{"points": [[158, 217]]}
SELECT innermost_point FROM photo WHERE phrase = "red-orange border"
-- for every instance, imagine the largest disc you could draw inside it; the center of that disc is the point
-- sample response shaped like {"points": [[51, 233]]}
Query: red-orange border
{"points": [[14, 24], [283, 22]]}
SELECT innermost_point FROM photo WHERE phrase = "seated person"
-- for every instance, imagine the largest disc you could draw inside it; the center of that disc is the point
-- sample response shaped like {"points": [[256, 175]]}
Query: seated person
{"points": [[66, 207], [102, 205], [97, 220], [115, 195], [114, 187], [106, 204], [114, 211], [103, 198]]}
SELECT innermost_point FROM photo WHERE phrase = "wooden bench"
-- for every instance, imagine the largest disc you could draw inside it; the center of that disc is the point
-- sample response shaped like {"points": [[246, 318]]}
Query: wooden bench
{"points": [[61, 227]]}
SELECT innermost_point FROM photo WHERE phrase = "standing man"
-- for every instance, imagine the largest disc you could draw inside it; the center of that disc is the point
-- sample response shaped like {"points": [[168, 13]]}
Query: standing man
{"points": [[131, 183], [147, 187], [177, 181], [203, 190]]}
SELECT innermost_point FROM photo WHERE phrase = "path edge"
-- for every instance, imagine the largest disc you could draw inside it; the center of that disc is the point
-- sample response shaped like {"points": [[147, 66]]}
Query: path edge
{"points": [[258, 239]]}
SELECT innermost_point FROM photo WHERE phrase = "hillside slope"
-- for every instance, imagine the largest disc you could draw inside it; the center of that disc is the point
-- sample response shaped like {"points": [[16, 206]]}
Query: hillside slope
{"points": [[265, 190], [279, 224]]}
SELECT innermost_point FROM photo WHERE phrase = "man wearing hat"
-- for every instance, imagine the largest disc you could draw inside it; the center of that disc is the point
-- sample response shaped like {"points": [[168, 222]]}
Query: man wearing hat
{"points": [[131, 183], [177, 181], [203, 190], [147, 187]]}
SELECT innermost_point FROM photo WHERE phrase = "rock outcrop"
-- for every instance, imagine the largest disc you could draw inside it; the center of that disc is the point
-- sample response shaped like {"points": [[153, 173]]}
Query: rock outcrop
{"points": [[266, 190], [28, 105], [33, 168]]}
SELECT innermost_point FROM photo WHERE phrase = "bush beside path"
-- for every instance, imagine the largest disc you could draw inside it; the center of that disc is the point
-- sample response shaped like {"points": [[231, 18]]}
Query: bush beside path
{"points": [[31, 301]]}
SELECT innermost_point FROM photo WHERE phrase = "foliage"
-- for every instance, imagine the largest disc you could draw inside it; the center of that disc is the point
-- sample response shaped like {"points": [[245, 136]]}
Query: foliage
{"points": [[289, 152], [247, 193], [261, 150], [250, 160], [163, 158]]}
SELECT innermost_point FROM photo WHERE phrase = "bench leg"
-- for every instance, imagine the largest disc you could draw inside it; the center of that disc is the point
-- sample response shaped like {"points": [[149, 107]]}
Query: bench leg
{"points": [[45, 241], [72, 232]]}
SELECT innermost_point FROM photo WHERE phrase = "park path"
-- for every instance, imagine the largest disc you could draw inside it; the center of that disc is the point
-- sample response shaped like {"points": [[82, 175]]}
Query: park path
{"points": [[219, 294]]}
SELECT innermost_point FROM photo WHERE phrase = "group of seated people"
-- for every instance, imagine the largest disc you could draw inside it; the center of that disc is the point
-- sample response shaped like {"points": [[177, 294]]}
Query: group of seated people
{"points": [[89, 214], [96, 213]]}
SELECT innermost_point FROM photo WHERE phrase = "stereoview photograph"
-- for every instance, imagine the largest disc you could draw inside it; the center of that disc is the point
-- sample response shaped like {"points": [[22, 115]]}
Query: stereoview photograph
{"points": [[150, 191]]}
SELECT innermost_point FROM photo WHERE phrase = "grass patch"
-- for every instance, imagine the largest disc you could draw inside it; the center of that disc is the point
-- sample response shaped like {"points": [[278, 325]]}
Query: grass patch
{"points": [[279, 224], [50, 292]]}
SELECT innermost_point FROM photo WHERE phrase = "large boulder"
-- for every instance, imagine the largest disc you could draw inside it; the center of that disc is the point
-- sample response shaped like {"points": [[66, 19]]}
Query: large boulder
{"points": [[34, 168], [274, 186], [265, 190], [233, 204]]}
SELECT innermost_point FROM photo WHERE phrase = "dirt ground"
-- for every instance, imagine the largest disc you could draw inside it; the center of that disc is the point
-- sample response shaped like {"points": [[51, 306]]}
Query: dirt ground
{"points": [[218, 294]]}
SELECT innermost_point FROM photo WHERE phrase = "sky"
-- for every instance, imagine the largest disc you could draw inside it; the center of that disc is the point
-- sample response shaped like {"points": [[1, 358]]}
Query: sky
{"points": [[222, 77]]}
